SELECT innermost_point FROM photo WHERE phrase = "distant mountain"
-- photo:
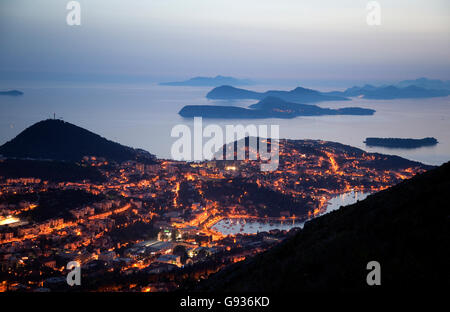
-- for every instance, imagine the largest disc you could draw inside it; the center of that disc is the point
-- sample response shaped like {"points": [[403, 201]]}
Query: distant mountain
{"points": [[405, 228], [269, 107], [209, 82], [400, 142], [390, 92], [11, 93], [432, 84], [232, 93], [275, 105], [299, 94], [58, 140], [353, 91]]}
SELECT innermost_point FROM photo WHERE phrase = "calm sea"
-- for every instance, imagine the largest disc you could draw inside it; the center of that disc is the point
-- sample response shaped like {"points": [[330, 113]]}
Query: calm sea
{"points": [[143, 116]]}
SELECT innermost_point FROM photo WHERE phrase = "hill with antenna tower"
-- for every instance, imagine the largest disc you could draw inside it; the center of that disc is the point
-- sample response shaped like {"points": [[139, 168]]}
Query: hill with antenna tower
{"points": [[55, 139]]}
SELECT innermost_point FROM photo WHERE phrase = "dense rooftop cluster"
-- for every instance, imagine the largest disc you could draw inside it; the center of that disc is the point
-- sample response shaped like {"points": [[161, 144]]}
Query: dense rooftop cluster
{"points": [[150, 226]]}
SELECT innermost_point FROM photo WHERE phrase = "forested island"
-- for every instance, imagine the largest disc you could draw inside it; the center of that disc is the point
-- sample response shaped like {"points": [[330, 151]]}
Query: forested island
{"points": [[270, 107], [400, 143]]}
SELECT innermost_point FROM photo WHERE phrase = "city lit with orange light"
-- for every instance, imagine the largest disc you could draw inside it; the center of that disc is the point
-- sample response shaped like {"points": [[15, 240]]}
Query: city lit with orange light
{"points": [[155, 226], [224, 155]]}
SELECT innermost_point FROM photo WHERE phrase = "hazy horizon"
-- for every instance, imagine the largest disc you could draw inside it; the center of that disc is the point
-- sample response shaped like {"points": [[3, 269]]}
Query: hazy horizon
{"points": [[266, 40]]}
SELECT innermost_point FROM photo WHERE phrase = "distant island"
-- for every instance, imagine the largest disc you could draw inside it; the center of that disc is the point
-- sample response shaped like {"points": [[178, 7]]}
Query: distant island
{"points": [[11, 93], [270, 107], [209, 82], [400, 143], [408, 89], [299, 94], [54, 139], [432, 84]]}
